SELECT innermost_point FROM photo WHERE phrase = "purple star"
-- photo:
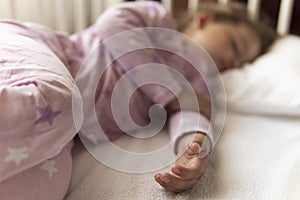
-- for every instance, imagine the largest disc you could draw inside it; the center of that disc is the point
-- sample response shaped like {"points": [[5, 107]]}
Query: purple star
{"points": [[47, 115], [2, 62]]}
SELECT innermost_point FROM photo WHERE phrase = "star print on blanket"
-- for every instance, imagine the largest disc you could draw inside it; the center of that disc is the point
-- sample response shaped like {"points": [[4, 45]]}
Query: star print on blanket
{"points": [[47, 115]]}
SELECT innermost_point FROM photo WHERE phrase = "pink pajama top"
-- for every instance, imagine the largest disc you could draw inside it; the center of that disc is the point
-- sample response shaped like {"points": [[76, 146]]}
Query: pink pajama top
{"points": [[126, 53], [39, 68]]}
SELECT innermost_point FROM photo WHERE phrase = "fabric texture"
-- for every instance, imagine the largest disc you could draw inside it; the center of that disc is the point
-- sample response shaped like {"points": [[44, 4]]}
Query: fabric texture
{"points": [[37, 123]]}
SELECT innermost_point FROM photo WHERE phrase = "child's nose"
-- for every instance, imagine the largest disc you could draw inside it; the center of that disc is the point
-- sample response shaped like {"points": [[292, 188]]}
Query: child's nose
{"points": [[232, 61]]}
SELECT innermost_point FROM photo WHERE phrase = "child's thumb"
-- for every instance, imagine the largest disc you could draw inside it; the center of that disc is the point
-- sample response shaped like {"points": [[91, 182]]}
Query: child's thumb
{"points": [[194, 148]]}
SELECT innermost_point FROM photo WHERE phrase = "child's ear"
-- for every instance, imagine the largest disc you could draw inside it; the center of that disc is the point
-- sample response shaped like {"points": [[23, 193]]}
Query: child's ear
{"points": [[202, 19]]}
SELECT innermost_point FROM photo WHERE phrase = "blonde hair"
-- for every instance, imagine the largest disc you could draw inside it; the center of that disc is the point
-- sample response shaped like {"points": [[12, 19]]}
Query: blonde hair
{"points": [[235, 13]]}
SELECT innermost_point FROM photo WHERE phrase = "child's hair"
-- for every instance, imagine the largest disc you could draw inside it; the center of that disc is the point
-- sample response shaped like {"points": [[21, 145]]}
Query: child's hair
{"points": [[235, 13]]}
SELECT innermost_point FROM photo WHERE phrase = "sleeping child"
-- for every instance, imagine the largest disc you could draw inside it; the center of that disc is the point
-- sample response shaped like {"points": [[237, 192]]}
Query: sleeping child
{"points": [[46, 77]]}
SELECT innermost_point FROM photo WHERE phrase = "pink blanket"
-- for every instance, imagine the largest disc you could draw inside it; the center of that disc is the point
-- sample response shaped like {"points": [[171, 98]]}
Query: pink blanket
{"points": [[36, 121]]}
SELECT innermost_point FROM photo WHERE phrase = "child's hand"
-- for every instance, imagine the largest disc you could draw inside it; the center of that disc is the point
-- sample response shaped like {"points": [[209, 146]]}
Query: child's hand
{"points": [[187, 170]]}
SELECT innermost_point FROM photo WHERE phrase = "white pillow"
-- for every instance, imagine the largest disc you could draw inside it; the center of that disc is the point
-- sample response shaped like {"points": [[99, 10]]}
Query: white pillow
{"points": [[269, 85]]}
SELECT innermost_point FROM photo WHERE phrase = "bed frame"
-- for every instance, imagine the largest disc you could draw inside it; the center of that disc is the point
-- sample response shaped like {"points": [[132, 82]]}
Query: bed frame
{"points": [[60, 14], [253, 6]]}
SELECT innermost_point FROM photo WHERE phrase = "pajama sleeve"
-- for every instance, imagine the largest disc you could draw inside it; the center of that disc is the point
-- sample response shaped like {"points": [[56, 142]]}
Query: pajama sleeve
{"points": [[131, 46], [182, 127], [190, 120]]}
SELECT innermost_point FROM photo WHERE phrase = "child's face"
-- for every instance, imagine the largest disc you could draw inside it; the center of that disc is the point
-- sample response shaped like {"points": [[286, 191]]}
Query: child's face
{"points": [[229, 45]]}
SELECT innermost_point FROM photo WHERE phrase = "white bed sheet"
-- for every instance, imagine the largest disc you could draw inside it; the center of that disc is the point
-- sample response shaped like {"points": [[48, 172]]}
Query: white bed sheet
{"points": [[257, 157]]}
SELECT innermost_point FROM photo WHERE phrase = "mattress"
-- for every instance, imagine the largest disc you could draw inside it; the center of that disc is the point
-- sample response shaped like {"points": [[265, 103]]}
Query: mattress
{"points": [[257, 157]]}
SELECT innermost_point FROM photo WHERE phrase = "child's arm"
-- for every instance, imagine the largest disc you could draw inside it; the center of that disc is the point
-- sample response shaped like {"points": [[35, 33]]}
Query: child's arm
{"points": [[185, 121], [187, 169], [189, 165]]}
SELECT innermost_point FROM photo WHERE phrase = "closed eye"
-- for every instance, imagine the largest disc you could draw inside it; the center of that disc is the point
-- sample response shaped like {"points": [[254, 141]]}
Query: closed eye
{"points": [[234, 46]]}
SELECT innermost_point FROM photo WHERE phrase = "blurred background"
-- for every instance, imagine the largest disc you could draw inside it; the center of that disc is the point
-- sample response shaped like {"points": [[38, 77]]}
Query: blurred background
{"points": [[74, 15]]}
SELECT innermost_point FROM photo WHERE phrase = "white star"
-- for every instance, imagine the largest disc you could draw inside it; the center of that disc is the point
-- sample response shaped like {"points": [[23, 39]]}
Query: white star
{"points": [[48, 166], [16, 155]]}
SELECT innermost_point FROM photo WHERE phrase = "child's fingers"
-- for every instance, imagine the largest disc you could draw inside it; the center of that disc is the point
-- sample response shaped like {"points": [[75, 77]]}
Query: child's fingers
{"points": [[187, 173], [193, 149], [175, 183], [156, 177], [168, 187], [190, 166]]}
